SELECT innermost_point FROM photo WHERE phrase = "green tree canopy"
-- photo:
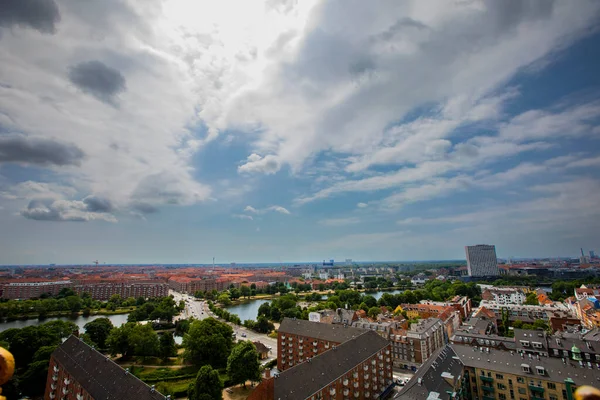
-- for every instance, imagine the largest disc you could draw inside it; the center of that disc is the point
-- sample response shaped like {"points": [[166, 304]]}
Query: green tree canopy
{"points": [[208, 342], [98, 331], [242, 364], [208, 385], [167, 345]]}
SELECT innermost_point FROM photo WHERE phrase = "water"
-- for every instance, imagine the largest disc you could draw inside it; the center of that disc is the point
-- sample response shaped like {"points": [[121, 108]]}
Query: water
{"points": [[80, 321], [378, 295], [248, 309]]}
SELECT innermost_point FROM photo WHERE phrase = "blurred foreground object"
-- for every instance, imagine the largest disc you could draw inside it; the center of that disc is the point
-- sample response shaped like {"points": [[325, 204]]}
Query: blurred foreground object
{"points": [[7, 368], [587, 393]]}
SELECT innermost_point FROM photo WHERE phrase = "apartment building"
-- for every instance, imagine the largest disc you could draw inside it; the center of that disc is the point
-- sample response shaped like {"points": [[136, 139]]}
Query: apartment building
{"points": [[359, 368], [461, 303], [30, 290], [525, 313], [299, 340], [413, 346], [78, 372], [504, 295], [460, 371], [102, 290], [449, 315]]}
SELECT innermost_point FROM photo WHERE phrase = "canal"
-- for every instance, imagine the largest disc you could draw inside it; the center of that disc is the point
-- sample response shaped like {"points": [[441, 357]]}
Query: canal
{"points": [[80, 321]]}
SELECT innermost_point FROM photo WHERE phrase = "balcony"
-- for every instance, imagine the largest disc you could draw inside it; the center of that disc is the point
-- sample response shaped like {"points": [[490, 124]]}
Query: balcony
{"points": [[332, 391], [534, 397], [367, 376], [536, 389], [486, 378], [488, 389], [489, 398], [357, 394], [346, 392], [345, 382]]}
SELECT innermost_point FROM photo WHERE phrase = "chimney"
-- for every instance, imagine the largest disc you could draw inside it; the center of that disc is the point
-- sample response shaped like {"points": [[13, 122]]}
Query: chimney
{"points": [[267, 373]]}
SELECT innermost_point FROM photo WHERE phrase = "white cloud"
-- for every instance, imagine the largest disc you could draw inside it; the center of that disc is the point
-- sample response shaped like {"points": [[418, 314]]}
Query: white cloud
{"points": [[257, 164], [275, 208], [362, 205], [340, 221], [31, 189], [279, 209], [243, 216]]}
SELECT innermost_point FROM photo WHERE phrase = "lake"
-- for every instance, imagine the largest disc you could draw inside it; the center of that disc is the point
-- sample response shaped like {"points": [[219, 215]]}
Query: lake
{"points": [[80, 321], [249, 309]]}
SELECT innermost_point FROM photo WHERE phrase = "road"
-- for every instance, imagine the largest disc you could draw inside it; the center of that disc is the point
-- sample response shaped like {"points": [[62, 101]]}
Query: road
{"points": [[199, 310]]}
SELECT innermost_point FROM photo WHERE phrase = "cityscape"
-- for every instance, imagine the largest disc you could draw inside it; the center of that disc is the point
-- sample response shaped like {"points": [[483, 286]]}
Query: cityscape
{"points": [[299, 200], [473, 329]]}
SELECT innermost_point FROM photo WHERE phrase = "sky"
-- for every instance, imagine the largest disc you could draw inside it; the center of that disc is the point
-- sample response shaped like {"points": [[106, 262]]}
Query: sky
{"points": [[283, 130]]}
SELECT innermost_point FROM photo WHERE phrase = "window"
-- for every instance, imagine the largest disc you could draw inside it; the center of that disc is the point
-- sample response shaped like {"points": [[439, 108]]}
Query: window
{"points": [[564, 393], [551, 386], [510, 382], [540, 370], [553, 397], [499, 376], [512, 394], [473, 379], [501, 396], [522, 391], [524, 343]]}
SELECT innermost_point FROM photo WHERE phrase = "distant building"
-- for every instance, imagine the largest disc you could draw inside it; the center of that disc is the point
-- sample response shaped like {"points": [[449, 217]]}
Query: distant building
{"points": [[77, 371], [102, 290], [504, 295], [482, 260], [360, 368], [30, 290]]}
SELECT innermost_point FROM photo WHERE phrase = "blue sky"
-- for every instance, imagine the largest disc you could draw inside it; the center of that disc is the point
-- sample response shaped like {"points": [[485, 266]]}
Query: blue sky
{"points": [[293, 131]]}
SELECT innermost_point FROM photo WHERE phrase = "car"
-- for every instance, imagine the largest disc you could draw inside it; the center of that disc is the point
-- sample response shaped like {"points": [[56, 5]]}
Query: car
{"points": [[269, 347], [243, 335]]}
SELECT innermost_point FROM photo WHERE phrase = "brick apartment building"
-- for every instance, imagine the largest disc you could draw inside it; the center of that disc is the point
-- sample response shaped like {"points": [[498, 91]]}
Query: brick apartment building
{"points": [[184, 284], [359, 368], [78, 372], [413, 346], [30, 290], [102, 290], [299, 340]]}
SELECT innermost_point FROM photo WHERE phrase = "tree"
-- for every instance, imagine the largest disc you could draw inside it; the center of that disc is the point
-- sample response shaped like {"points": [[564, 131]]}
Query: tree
{"points": [[208, 385], [242, 364], [224, 300], [98, 331], [374, 312], [234, 293], [531, 299], [517, 324], [118, 340], [263, 325], [167, 345], [144, 341], [245, 291], [208, 342], [369, 301], [74, 303]]}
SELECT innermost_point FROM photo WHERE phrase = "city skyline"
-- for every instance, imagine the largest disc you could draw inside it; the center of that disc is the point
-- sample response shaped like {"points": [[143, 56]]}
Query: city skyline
{"points": [[180, 131]]}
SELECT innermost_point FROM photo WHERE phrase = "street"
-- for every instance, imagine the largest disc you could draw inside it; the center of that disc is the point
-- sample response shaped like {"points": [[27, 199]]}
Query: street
{"points": [[199, 310]]}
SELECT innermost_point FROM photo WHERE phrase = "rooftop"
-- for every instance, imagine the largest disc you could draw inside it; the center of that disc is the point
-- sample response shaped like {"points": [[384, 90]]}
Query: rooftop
{"points": [[555, 369], [100, 376], [307, 378], [317, 330]]}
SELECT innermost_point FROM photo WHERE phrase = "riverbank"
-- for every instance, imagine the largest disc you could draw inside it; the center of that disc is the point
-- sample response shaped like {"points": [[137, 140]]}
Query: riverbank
{"points": [[67, 314]]}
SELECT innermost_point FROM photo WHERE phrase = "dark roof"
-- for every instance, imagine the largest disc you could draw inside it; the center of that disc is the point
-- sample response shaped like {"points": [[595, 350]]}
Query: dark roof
{"points": [[261, 348], [317, 330], [435, 375], [531, 336], [98, 375], [307, 378], [556, 370]]}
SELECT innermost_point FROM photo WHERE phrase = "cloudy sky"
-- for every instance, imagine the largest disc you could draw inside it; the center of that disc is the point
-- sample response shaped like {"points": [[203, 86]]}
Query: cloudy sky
{"points": [[288, 130]]}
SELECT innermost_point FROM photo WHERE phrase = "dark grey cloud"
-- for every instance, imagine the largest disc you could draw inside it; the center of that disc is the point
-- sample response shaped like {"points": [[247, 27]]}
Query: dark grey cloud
{"points": [[144, 208], [47, 210], [67, 211], [97, 79], [98, 204], [41, 15], [23, 149]]}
